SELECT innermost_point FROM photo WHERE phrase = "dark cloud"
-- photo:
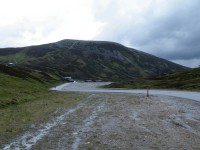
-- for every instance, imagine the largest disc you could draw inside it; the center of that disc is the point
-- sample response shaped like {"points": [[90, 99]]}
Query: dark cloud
{"points": [[173, 34], [177, 35]]}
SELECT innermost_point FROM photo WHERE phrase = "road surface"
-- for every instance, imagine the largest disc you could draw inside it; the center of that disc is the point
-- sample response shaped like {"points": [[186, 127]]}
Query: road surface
{"points": [[94, 87]]}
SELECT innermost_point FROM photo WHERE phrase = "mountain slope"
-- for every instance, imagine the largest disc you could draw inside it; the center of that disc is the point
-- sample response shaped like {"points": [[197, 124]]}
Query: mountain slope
{"points": [[185, 80], [21, 85], [89, 60]]}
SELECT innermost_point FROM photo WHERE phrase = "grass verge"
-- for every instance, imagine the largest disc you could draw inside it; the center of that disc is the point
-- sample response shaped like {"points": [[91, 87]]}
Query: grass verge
{"points": [[187, 80], [17, 119]]}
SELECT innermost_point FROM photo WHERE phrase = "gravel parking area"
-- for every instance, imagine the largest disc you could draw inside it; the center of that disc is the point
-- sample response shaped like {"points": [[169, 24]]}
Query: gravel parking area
{"points": [[107, 120]]}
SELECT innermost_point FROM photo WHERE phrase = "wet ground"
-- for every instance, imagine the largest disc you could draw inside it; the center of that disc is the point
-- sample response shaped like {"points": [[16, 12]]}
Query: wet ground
{"points": [[119, 121]]}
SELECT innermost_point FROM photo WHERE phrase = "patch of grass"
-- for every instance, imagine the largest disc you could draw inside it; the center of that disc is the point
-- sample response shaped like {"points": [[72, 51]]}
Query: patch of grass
{"points": [[18, 85], [187, 80], [14, 90], [16, 119]]}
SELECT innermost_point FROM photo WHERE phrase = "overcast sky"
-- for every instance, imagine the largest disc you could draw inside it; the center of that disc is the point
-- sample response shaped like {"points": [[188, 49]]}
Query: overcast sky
{"points": [[166, 28]]}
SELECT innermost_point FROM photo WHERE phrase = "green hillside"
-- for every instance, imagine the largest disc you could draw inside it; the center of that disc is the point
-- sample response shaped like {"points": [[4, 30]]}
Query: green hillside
{"points": [[186, 80], [93, 60], [21, 85], [25, 100]]}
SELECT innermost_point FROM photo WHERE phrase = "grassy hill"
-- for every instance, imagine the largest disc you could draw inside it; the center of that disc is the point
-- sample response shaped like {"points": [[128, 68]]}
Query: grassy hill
{"points": [[21, 84], [94, 60], [25, 100], [185, 80]]}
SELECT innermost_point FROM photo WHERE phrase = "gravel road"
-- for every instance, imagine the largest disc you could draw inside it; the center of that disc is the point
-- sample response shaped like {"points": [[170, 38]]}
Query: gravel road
{"points": [[110, 120], [94, 87]]}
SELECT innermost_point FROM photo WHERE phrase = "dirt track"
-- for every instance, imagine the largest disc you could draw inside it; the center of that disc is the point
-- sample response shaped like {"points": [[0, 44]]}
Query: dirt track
{"points": [[121, 121]]}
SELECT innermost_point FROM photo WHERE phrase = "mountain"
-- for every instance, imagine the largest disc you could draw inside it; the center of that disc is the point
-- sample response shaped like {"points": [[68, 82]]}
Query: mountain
{"points": [[93, 60], [185, 80]]}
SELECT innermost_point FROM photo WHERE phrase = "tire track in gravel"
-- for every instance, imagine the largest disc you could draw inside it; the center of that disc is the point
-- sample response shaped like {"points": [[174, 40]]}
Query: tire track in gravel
{"points": [[30, 138], [85, 127]]}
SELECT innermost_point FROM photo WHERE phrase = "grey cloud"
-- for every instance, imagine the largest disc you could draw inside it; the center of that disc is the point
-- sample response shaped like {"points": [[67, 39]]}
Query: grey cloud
{"points": [[174, 35]]}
